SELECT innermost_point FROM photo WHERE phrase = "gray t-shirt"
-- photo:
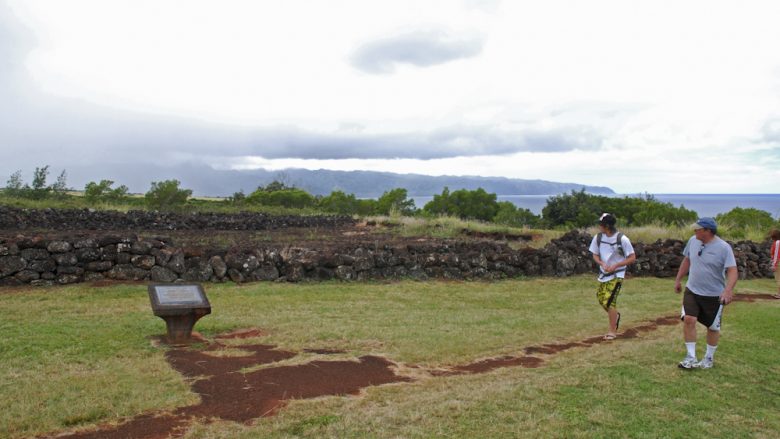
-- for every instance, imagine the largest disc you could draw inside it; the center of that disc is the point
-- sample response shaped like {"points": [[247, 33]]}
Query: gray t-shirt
{"points": [[707, 275]]}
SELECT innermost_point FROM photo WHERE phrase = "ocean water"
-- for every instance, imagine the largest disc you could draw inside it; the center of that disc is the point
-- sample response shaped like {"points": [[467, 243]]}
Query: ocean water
{"points": [[703, 204]]}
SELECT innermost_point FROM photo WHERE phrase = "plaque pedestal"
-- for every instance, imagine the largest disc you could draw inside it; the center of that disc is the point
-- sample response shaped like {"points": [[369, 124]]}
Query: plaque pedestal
{"points": [[179, 327], [180, 306]]}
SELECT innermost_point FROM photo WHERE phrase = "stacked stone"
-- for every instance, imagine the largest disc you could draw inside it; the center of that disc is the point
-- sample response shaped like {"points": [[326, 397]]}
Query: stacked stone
{"points": [[12, 218], [38, 261]]}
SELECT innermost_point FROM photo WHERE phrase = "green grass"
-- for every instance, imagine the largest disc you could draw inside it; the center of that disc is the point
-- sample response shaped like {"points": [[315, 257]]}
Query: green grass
{"points": [[651, 233], [78, 356], [453, 227]]}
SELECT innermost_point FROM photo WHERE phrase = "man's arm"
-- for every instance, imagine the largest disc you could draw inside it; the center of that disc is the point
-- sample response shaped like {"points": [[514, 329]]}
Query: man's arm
{"points": [[731, 281], [630, 259], [684, 267], [600, 262]]}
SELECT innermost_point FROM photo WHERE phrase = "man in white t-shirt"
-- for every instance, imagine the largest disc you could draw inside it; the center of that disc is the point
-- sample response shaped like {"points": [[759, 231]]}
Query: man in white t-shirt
{"points": [[712, 274], [613, 252]]}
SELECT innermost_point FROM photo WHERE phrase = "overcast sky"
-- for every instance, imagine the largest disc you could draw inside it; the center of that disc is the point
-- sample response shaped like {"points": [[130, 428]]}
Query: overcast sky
{"points": [[661, 96]]}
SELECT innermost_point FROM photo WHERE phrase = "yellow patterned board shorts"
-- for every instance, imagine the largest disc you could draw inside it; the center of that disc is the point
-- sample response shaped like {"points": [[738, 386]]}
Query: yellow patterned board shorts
{"points": [[608, 293]]}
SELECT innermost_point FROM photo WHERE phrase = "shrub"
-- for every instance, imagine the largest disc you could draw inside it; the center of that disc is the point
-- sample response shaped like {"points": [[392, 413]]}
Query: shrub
{"points": [[15, 186], [167, 195], [102, 192], [39, 190], [395, 201], [579, 209], [748, 223], [288, 197], [463, 203], [514, 216], [339, 202]]}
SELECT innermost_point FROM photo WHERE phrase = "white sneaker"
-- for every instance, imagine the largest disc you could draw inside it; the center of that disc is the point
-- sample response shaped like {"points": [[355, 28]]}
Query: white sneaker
{"points": [[688, 363], [705, 363]]}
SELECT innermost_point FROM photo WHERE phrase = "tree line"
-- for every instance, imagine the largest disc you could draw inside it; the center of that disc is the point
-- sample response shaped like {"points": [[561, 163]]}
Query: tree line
{"points": [[570, 210]]}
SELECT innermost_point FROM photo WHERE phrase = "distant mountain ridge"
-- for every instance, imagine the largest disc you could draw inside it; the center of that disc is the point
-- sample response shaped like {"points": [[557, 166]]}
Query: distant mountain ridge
{"points": [[206, 181]]}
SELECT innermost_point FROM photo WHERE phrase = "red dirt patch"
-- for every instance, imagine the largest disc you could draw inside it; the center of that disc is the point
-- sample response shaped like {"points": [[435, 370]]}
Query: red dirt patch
{"points": [[740, 297], [243, 397], [490, 364], [227, 393], [192, 363], [324, 351], [242, 333], [143, 426]]}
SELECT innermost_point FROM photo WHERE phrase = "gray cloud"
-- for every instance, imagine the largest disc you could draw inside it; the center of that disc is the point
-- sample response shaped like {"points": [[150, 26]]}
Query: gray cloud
{"points": [[38, 129], [421, 49]]}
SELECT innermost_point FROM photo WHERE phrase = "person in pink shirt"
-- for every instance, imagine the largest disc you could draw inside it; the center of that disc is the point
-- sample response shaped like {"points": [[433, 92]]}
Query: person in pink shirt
{"points": [[774, 251]]}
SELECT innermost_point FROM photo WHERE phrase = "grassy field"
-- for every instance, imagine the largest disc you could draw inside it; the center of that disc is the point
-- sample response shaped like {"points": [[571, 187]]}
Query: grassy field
{"points": [[80, 356]]}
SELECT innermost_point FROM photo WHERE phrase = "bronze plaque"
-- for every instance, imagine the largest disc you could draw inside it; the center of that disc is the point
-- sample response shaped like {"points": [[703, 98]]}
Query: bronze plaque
{"points": [[177, 296]]}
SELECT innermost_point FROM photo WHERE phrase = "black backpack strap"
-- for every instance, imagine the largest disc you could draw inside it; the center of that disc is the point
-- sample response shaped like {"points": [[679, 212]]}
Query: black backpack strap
{"points": [[598, 242]]}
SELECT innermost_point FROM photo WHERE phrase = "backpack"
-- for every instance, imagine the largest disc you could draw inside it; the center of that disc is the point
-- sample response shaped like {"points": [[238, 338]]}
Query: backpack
{"points": [[619, 242]]}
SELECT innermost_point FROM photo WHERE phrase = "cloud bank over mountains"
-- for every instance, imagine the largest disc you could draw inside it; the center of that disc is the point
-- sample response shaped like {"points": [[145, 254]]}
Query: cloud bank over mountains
{"points": [[551, 90]]}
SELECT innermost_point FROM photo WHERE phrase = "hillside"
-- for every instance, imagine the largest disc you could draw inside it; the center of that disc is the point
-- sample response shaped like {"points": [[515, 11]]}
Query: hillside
{"points": [[206, 181]]}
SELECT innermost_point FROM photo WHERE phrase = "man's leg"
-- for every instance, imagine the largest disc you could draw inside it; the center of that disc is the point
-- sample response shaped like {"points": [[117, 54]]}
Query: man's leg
{"points": [[712, 343], [613, 315], [689, 329], [689, 334]]}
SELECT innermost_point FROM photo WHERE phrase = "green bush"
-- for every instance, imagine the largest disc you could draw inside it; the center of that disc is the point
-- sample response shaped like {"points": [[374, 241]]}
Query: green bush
{"points": [[463, 203], [167, 195], [102, 192], [511, 215], [395, 201], [15, 187], [288, 197], [749, 217], [579, 209]]}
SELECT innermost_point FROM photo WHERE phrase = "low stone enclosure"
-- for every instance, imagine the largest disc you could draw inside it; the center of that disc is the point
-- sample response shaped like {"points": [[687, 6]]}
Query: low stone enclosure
{"points": [[40, 261], [12, 218]]}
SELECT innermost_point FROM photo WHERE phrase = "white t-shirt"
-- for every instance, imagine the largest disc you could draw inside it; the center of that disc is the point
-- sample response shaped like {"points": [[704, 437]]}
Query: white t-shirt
{"points": [[609, 254]]}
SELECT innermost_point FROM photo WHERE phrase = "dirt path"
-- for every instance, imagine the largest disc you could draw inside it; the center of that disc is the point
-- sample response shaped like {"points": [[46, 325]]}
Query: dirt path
{"points": [[227, 393]]}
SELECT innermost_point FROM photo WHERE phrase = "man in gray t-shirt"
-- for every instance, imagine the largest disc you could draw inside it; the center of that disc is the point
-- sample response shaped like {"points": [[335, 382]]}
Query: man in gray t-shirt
{"points": [[712, 274]]}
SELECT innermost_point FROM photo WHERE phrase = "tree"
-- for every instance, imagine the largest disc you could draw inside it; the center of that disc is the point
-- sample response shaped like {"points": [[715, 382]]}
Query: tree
{"points": [[395, 201], [167, 195], [339, 202], [742, 218], [514, 216], [474, 204], [288, 197], [14, 186], [237, 198], [102, 192], [60, 188], [440, 203], [39, 189], [579, 209]]}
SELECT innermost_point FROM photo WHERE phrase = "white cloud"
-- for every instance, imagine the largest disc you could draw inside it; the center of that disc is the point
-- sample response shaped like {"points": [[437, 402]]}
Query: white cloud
{"points": [[684, 93]]}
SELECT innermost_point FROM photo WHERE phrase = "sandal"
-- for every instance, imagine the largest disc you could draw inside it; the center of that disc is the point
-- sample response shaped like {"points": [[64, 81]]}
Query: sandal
{"points": [[776, 296], [610, 336]]}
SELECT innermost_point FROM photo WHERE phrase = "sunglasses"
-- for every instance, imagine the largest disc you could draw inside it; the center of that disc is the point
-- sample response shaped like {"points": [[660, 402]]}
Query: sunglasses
{"points": [[701, 249]]}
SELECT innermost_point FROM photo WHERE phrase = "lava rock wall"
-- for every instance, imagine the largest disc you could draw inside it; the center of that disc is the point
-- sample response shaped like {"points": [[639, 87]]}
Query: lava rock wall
{"points": [[41, 261]]}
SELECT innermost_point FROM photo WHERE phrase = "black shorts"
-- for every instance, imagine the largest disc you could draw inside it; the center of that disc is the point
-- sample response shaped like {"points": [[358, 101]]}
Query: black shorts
{"points": [[704, 308]]}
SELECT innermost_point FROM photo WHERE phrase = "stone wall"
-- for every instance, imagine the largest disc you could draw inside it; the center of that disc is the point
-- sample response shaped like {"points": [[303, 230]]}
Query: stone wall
{"points": [[12, 218], [39, 261]]}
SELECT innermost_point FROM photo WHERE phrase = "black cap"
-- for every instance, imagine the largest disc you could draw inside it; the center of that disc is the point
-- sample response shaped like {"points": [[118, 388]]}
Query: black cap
{"points": [[607, 219]]}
